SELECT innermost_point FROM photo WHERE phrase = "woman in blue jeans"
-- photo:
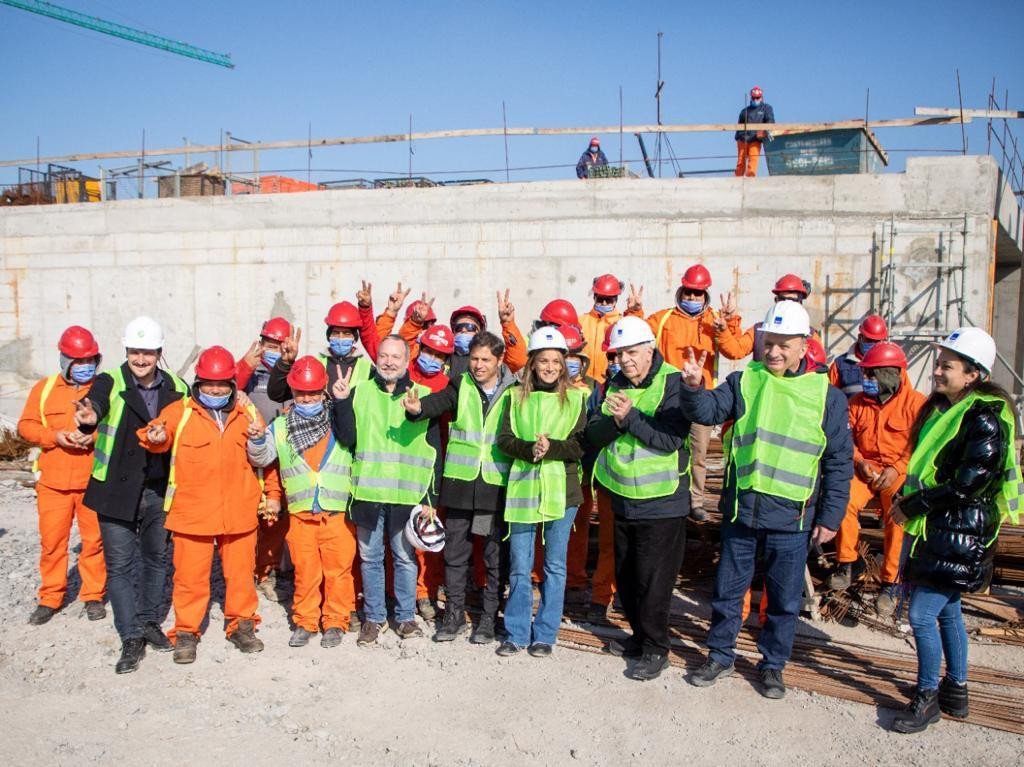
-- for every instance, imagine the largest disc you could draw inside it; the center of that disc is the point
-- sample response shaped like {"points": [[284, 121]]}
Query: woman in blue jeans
{"points": [[963, 480], [542, 431]]}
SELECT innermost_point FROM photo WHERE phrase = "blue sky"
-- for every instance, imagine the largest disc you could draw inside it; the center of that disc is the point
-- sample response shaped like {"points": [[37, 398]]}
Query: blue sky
{"points": [[362, 68]]}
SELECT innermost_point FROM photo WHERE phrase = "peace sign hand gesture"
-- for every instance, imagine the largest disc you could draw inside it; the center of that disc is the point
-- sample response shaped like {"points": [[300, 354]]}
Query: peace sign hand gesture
{"points": [[693, 370], [422, 310], [342, 388], [396, 299], [728, 306], [411, 402], [290, 346], [364, 296], [635, 302], [506, 309], [84, 414]]}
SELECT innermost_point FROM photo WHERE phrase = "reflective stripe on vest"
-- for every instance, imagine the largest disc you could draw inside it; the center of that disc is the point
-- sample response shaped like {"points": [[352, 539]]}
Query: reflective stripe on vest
{"points": [[631, 469], [393, 462], [536, 491], [473, 439], [778, 442], [330, 486], [47, 388], [106, 431]]}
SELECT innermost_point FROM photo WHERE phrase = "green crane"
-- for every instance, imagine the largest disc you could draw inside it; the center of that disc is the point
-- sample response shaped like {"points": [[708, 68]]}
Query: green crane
{"points": [[119, 30]]}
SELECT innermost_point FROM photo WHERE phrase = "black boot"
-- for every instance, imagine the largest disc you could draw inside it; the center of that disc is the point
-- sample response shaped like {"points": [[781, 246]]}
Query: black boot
{"points": [[484, 631], [132, 652], [454, 623], [953, 698], [155, 637], [922, 711]]}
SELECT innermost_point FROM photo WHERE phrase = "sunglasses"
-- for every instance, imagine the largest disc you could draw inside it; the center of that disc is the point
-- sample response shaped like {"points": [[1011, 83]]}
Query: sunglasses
{"points": [[604, 299], [466, 327]]}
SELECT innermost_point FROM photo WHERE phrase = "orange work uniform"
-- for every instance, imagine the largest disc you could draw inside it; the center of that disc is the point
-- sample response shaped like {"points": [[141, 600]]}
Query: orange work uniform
{"points": [[881, 434], [215, 497], [594, 326], [747, 155], [63, 476]]}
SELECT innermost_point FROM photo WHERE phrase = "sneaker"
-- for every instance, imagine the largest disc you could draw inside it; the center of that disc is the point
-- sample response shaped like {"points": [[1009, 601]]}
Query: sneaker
{"points": [[244, 637], [268, 587], [597, 613], [953, 698], [185, 647], [426, 610], [697, 514], [332, 637], [132, 652], [300, 637], [626, 648], [540, 650], [454, 623], [710, 673], [484, 631], [507, 648], [885, 604], [95, 611], [155, 637], [409, 630], [922, 711], [369, 631], [772, 685], [649, 667], [41, 615]]}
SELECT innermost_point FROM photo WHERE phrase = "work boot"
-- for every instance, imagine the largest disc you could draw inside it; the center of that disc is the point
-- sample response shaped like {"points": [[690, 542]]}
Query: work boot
{"points": [[454, 623], [922, 711], [185, 647], [300, 637], [953, 698], [355, 621], [841, 577], [155, 637], [885, 603], [95, 611], [577, 596], [697, 514], [426, 610], [41, 615], [772, 685], [244, 637], [649, 667], [626, 648], [268, 587], [597, 613], [539, 650], [409, 630], [710, 673], [507, 648], [332, 637], [132, 652], [484, 631], [369, 632]]}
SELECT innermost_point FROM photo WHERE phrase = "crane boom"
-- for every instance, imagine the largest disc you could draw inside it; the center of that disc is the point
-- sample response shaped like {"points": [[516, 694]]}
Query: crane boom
{"points": [[119, 30]]}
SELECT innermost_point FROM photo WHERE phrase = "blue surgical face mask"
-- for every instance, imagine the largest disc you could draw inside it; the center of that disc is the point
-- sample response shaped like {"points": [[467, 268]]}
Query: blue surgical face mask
{"points": [[595, 149], [603, 308], [270, 358], [341, 347], [865, 346], [614, 369], [692, 308], [462, 342], [429, 365], [214, 403], [573, 368], [83, 372], [309, 411], [755, 102], [871, 387]]}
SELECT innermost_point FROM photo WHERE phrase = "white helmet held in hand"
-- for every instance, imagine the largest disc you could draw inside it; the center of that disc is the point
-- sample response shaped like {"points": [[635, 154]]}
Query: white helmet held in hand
{"points": [[787, 318], [424, 530], [629, 331], [143, 333], [547, 338], [974, 344]]}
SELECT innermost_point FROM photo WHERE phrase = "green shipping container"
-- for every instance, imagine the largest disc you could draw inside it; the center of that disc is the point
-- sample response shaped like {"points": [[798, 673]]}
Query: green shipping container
{"points": [[825, 152]]}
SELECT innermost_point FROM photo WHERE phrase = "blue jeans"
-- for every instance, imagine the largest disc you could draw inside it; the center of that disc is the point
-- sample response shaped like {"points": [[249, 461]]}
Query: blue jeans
{"points": [[371, 552], [140, 543], [784, 557], [519, 607], [938, 626]]}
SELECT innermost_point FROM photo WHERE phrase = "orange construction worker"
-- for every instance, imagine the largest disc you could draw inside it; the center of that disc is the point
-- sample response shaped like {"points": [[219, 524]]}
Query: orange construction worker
{"points": [[596, 323], [734, 345], [316, 474], [64, 467], [689, 328], [881, 417], [212, 497], [748, 142], [845, 373]]}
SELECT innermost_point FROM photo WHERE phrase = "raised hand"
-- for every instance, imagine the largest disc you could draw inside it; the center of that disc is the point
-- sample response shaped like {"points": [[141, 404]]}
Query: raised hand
{"points": [[411, 402], [728, 305], [255, 429], [541, 447], [364, 296], [341, 388], [693, 370], [396, 299], [506, 309], [254, 355], [156, 434], [422, 310], [290, 346], [620, 405], [84, 414], [635, 302]]}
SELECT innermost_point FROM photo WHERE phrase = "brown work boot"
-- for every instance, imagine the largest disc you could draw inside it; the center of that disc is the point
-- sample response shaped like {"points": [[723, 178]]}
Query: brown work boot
{"points": [[244, 637], [369, 631], [185, 647], [409, 630]]}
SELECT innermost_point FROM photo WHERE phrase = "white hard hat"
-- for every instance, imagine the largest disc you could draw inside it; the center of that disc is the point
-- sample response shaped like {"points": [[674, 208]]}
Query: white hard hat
{"points": [[629, 331], [143, 333], [787, 318], [974, 344], [424, 530], [547, 338]]}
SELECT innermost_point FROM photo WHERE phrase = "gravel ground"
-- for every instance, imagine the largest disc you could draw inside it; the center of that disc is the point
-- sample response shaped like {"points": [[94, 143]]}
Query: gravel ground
{"points": [[417, 703]]}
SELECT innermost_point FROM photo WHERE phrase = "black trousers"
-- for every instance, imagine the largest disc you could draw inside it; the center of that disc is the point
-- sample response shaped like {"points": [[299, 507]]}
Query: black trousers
{"points": [[648, 555], [458, 551]]}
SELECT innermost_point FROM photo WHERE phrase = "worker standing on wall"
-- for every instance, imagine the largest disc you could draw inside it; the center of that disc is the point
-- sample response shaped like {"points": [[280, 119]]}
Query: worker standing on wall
{"points": [[748, 142], [593, 156], [846, 373]]}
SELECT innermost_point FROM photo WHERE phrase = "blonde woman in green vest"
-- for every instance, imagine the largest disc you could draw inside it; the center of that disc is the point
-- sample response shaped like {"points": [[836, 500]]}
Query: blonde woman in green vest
{"points": [[963, 482], [542, 431]]}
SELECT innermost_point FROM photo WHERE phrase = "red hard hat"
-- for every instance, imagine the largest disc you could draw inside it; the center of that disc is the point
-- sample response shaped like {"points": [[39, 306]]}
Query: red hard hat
{"points": [[439, 338], [307, 374], [873, 328], [78, 343], [595, 140], [573, 339], [277, 328], [607, 285], [790, 283], [816, 352], [431, 317], [560, 312], [343, 315], [473, 312], [884, 355], [607, 342], [755, 93], [697, 277], [215, 364]]}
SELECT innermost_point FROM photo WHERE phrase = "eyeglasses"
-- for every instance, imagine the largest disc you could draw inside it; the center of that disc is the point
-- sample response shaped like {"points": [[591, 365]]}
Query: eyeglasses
{"points": [[604, 299], [466, 327]]}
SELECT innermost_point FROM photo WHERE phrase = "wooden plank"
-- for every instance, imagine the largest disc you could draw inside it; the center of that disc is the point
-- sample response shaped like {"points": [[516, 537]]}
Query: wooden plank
{"points": [[983, 114]]}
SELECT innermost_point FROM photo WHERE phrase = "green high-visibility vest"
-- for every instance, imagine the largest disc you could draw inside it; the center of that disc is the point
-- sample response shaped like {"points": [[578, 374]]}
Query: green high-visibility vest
{"points": [[536, 491], [936, 433], [106, 431], [330, 485], [630, 468], [362, 370], [393, 461], [473, 440], [778, 442]]}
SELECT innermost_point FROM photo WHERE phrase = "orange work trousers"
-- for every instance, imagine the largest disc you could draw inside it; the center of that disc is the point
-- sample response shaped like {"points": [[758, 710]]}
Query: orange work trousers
{"points": [[603, 589], [270, 544], [323, 548], [430, 570], [747, 154], [57, 509], [762, 611], [193, 560], [579, 544], [849, 531]]}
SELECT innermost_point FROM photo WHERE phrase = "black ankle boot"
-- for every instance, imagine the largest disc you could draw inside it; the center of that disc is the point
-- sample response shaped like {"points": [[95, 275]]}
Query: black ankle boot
{"points": [[922, 711], [953, 698]]}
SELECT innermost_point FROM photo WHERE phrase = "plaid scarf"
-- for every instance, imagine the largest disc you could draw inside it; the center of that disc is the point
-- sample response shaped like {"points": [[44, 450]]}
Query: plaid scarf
{"points": [[303, 433]]}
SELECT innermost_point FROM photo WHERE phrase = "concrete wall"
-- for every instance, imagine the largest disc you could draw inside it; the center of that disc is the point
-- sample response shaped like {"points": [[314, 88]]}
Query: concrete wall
{"points": [[212, 269]]}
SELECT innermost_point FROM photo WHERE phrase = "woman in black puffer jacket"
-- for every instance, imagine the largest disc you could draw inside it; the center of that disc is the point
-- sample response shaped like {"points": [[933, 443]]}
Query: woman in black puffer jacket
{"points": [[962, 479]]}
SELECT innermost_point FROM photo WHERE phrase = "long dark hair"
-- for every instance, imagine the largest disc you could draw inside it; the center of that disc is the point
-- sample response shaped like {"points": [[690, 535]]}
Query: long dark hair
{"points": [[981, 386], [529, 380]]}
